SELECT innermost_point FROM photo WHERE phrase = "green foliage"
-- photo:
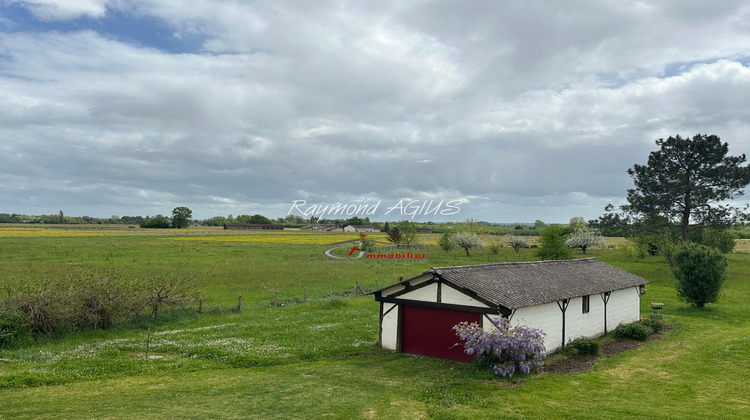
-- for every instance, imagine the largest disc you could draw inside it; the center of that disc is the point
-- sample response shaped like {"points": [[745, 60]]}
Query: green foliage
{"points": [[577, 222], [405, 233], [181, 217], [700, 273], [654, 324], [612, 223], [156, 222], [688, 179], [552, 244], [634, 331], [256, 219], [445, 242], [12, 330], [723, 240], [585, 345]]}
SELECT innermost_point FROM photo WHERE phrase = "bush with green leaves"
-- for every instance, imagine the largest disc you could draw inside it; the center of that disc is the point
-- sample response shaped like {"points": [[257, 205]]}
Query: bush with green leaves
{"points": [[12, 330], [494, 247], [700, 272], [634, 331], [585, 345], [446, 241], [654, 324], [552, 244]]}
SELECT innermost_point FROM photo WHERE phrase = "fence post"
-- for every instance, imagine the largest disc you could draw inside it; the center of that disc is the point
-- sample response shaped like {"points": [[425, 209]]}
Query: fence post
{"points": [[200, 306], [357, 290], [276, 299], [239, 304], [148, 340], [305, 298], [330, 290]]}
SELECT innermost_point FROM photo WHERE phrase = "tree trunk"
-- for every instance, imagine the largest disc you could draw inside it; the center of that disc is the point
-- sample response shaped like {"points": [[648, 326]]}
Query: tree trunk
{"points": [[685, 225]]}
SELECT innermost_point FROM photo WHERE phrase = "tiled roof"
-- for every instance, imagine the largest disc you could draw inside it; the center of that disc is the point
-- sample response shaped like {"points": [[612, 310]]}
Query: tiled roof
{"points": [[517, 285]]}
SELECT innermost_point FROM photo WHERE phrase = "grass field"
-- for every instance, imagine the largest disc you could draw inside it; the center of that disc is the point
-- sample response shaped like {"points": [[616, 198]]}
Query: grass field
{"points": [[319, 359]]}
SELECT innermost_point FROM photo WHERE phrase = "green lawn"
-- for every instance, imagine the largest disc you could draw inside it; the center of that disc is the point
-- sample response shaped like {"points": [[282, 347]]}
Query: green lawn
{"points": [[319, 359]]}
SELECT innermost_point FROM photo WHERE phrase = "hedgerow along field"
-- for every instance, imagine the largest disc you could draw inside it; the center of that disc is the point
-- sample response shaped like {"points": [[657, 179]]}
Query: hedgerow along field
{"points": [[319, 358]]}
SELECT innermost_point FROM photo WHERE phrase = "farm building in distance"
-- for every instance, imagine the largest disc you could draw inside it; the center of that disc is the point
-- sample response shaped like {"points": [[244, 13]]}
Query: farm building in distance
{"points": [[566, 299], [252, 226], [361, 228], [321, 228]]}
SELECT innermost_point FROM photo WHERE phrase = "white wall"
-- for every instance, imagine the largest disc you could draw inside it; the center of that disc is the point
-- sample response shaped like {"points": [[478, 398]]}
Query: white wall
{"points": [[452, 296], [579, 324], [389, 324], [425, 294], [624, 307], [546, 317]]}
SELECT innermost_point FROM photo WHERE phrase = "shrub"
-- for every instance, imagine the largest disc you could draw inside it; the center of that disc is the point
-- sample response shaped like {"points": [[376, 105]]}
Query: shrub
{"points": [[43, 311], [634, 331], [700, 273], [654, 324], [446, 242], [585, 345], [82, 298], [552, 244], [506, 348], [12, 330]]}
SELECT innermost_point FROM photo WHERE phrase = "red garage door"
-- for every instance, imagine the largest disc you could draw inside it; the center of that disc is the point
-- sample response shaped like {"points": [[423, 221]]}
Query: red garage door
{"points": [[428, 331]]}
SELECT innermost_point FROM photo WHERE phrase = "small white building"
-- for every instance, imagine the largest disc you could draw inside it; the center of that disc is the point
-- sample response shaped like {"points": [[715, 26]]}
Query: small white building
{"points": [[566, 299], [361, 228]]}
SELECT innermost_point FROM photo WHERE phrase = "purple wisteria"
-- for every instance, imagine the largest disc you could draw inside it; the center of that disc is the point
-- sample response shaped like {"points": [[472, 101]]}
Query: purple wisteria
{"points": [[506, 348]]}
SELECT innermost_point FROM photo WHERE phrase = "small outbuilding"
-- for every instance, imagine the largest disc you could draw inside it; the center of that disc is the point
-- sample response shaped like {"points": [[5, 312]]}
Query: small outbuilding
{"points": [[566, 299], [361, 228]]}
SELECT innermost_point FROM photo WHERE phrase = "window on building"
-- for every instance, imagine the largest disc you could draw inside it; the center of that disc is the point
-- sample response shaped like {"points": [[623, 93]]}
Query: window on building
{"points": [[586, 301]]}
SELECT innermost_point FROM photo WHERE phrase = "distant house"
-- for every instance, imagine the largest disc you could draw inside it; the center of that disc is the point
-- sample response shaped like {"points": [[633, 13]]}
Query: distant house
{"points": [[424, 230], [321, 228], [565, 299], [251, 226], [361, 228]]}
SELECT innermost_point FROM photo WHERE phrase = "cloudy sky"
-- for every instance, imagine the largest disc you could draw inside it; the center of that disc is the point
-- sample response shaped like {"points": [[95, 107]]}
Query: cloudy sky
{"points": [[522, 110]]}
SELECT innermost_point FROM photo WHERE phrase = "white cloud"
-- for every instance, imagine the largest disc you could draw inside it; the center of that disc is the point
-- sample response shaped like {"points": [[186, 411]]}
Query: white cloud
{"points": [[65, 9]]}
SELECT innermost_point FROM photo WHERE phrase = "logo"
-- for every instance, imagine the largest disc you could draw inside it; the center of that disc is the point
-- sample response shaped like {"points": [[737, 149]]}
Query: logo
{"points": [[365, 251]]}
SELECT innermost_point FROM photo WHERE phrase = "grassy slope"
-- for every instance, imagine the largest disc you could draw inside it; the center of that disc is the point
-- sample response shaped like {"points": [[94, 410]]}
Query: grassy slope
{"points": [[319, 358]]}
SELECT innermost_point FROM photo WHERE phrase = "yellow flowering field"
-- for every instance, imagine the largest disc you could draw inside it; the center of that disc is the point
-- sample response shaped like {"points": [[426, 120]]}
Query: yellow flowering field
{"points": [[24, 232], [280, 237]]}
